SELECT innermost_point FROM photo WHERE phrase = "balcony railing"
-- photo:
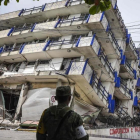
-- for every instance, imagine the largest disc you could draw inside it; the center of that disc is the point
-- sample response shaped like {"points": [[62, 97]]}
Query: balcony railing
{"points": [[12, 48], [29, 27], [32, 10], [120, 18], [74, 2], [106, 62], [125, 88], [83, 19], [74, 42], [121, 84], [20, 29], [115, 43], [62, 42], [129, 66], [132, 44], [7, 48], [96, 84], [122, 113]]}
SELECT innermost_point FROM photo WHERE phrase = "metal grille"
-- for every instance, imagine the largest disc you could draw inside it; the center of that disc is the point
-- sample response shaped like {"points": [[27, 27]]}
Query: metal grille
{"points": [[65, 19], [101, 89], [72, 2], [107, 62], [22, 28]]}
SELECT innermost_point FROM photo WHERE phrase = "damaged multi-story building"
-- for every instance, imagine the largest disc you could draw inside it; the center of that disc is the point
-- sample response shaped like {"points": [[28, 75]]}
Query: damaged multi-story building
{"points": [[60, 43]]}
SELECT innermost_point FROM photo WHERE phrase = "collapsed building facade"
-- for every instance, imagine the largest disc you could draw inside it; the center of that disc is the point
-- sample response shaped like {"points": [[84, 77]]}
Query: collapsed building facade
{"points": [[60, 43]]}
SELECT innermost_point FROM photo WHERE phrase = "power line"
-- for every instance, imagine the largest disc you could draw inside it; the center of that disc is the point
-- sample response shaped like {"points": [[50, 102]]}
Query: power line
{"points": [[133, 22]]}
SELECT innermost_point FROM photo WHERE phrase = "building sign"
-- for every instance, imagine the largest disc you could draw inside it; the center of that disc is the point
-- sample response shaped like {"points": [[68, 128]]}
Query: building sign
{"points": [[127, 133], [52, 99], [124, 130]]}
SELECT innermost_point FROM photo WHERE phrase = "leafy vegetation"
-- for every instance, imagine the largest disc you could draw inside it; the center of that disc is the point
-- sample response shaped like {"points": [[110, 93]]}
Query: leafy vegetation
{"points": [[98, 6]]}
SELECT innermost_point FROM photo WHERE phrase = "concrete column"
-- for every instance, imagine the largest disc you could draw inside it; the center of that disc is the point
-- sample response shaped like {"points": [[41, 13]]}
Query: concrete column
{"points": [[21, 100]]}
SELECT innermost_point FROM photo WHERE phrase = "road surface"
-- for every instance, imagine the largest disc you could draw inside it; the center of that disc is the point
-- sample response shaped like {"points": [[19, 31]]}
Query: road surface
{"points": [[20, 135]]}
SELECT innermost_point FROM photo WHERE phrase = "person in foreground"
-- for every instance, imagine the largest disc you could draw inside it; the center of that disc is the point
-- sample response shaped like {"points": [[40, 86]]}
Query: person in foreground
{"points": [[60, 122]]}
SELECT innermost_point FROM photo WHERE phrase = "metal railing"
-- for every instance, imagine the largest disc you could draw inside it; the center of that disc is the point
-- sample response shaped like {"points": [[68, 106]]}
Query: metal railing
{"points": [[114, 40], [101, 89], [124, 87], [102, 55], [134, 47], [129, 66], [30, 10], [83, 18], [12, 48], [70, 2], [62, 42], [120, 18], [72, 41], [7, 49], [33, 9], [122, 113], [25, 27], [133, 44]]}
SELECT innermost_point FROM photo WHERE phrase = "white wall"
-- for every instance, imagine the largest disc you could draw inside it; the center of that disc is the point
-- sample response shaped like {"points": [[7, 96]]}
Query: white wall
{"points": [[128, 133]]}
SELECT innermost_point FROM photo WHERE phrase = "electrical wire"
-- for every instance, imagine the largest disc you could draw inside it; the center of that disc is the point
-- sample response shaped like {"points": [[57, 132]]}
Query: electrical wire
{"points": [[132, 22]]}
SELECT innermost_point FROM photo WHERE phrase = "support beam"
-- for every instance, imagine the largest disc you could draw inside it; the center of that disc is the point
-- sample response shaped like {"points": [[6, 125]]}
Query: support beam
{"points": [[22, 98]]}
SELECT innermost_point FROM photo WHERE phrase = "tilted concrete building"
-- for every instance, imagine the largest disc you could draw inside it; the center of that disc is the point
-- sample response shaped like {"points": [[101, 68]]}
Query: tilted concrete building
{"points": [[60, 43]]}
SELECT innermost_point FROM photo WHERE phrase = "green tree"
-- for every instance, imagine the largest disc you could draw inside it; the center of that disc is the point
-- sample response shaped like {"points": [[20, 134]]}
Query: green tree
{"points": [[98, 6]]}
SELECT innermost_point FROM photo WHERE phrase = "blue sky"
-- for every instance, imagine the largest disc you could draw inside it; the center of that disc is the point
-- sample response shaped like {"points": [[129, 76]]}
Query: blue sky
{"points": [[129, 10]]}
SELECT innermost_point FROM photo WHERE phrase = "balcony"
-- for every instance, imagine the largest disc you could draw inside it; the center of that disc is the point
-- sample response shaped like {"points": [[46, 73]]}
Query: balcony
{"points": [[41, 13], [126, 71], [61, 47], [11, 53], [79, 45], [131, 50], [97, 23], [86, 46], [78, 24], [121, 91], [110, 45], [32, 72], [55, 28], [100, 90], [82, 74], [33, 10], [27, 32], [56, 47], [32, 49], [105, 69], [116, 22], [21, 29], [122, 113]]}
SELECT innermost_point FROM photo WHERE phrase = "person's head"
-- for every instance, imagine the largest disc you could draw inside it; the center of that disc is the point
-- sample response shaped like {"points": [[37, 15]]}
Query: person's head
{"points": [[63, 94]]}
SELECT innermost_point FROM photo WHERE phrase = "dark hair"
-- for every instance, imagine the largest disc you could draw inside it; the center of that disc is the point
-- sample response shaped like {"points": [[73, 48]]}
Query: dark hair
{"points": [[62, 99]]}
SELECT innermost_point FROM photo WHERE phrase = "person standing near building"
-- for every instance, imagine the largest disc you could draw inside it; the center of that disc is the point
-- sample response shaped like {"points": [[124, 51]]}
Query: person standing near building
{"points": [[60, 122]]}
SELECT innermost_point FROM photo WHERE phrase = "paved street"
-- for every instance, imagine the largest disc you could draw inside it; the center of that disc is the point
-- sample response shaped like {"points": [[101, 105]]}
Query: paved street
{"points": [[18, 135]]}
